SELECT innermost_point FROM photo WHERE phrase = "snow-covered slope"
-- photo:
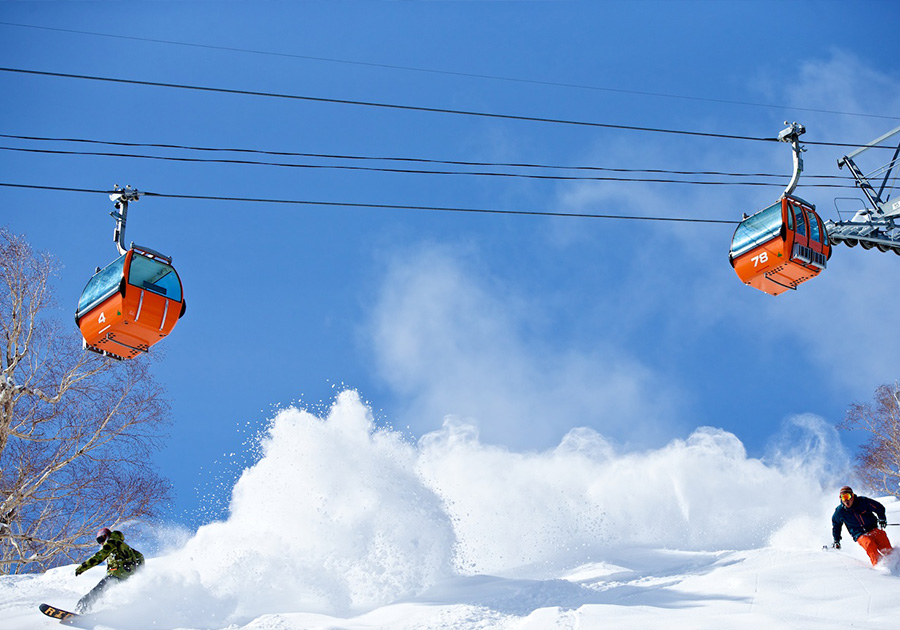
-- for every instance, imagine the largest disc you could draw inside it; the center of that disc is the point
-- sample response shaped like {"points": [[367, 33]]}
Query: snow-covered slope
{"points": [[770, 587], [339, 525]]}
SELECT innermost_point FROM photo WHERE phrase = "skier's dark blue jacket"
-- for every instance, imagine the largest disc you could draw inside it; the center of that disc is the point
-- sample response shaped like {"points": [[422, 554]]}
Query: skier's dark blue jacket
{"points": [[860, 518]]}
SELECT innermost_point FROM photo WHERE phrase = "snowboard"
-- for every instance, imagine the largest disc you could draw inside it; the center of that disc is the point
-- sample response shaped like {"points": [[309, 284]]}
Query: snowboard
{"points": [[64, 616]]}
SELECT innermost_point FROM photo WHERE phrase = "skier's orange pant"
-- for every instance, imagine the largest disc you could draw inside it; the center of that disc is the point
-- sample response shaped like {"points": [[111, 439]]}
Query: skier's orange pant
{"points": [[876, 544]]}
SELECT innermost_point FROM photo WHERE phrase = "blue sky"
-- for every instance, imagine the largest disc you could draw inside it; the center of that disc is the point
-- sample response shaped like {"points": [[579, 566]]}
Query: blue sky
{"points": [[528, 326]]}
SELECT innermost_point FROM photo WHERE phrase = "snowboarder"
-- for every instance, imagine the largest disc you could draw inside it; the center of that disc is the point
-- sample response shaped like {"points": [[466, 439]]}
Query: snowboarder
{"points": [[121, 562], [865, 520]]}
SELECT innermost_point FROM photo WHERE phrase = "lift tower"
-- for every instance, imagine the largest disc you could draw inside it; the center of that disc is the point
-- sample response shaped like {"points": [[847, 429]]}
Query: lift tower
{"points": [[877, 224]]}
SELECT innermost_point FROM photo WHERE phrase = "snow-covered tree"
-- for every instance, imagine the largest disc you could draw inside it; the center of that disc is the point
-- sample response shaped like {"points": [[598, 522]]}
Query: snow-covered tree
{"points": [[76, 429]]}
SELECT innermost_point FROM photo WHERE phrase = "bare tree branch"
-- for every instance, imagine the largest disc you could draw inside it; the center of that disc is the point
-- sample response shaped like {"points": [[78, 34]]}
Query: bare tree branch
{"points": [[878, 460]]}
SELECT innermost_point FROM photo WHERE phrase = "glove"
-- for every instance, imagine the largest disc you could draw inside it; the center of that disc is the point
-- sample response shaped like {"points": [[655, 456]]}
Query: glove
{"points": [[882, 523], [79, 571], [836, 544]]}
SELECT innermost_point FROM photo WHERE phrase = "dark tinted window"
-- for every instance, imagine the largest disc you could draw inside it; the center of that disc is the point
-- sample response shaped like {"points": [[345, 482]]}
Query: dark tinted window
{"points": [[758, 229], [155, 276], [104, 283]]}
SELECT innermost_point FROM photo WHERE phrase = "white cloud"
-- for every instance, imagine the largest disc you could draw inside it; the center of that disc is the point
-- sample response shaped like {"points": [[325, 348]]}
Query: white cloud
{"points": [[659, 300], [679, 276], [453, 342], [841, 316]]}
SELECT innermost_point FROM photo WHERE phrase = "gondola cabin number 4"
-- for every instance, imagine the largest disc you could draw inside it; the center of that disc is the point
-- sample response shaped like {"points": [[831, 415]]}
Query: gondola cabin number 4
{"points": [[133, 302], [130, 305]]}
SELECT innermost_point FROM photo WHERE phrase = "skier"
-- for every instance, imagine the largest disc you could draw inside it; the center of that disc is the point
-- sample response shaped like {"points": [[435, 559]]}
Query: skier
{"points": [[865, 520], [121, 562]]}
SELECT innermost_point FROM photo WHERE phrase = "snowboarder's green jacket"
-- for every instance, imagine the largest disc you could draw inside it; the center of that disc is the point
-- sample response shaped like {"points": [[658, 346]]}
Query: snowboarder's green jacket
{"points": [[121, 560]]}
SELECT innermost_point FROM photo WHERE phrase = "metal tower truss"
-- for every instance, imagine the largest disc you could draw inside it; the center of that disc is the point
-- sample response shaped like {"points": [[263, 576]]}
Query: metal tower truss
{"points": [[878, 223]]}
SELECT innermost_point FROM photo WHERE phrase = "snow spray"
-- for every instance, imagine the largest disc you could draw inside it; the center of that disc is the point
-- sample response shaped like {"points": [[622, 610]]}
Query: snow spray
{"points": [[339, 516]]}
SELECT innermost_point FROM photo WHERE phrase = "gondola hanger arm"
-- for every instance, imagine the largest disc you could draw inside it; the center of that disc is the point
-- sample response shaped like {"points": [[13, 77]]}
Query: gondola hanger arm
{"points": [[121, 197], [792, 134]]}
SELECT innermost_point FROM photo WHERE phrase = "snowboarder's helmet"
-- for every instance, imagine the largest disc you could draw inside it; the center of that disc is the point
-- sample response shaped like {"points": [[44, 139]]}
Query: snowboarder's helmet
{"points": [[846, 490], [102, 535]]}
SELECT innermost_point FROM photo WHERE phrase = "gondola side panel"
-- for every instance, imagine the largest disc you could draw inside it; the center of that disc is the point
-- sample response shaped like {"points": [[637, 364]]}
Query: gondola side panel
{"points": [[150, 317], [105, 318], [757, 266]]}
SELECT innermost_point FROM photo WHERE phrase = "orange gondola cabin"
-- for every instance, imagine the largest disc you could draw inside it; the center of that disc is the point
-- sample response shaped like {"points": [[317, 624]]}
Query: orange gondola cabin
{"points": [[131, 304], [780, 247]]}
